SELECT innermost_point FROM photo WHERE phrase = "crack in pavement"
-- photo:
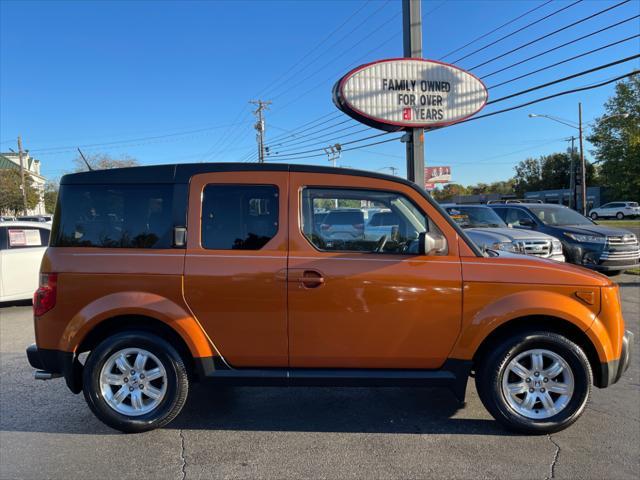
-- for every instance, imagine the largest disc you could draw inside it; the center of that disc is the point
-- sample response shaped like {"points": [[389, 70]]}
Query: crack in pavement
{"points": [[182, 458], [552, 467]]}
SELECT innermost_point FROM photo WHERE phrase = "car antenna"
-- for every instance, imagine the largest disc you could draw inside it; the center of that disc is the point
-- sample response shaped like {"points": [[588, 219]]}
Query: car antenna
{"points": [[85, 160]]}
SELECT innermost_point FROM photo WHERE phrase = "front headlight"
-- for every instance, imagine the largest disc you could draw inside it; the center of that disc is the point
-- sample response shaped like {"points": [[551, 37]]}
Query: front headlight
{"points": [[586, 238], [556, 246], [514, 247]]}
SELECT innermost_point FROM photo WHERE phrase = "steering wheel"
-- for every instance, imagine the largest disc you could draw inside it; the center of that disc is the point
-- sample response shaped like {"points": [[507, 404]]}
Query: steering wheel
{"points": [[381, 243]]}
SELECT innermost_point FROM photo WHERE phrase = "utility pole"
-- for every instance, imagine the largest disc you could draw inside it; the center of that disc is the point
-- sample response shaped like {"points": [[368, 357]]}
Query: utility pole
{"points": [[259, 126], [573, 203], [23, 187], [333, 153], [412, 42], [583, 166]]}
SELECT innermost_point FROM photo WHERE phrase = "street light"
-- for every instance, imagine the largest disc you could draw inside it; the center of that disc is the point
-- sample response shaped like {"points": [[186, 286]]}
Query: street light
{"points": [[583, 168]]}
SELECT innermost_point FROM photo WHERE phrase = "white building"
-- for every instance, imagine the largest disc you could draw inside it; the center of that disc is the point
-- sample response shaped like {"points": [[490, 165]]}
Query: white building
{"points": [[31, 165]]}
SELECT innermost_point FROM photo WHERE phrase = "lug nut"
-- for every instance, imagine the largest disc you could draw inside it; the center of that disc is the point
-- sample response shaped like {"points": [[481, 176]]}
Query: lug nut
{"points": [[528, 380], [542, 390], [131, 389], [537, 374], [133, 372], [141, 386], [545, 379], [531, 390], [126, 380], [141, 376]]}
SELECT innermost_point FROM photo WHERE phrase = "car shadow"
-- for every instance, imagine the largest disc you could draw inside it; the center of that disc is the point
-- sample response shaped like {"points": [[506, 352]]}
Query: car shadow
{"points": [[340, 410]]}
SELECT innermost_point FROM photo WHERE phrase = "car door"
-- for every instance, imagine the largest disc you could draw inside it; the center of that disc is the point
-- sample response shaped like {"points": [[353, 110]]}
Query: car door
{"points": [[366, 303], [20, 262], [235, 264]]}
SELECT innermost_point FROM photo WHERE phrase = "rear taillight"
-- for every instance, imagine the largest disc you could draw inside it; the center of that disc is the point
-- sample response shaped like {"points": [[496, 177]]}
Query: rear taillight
{"points": [[45, 297]]}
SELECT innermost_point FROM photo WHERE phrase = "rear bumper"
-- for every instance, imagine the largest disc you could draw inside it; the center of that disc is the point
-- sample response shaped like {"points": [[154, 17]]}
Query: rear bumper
{"points": [[613, 370], [57, 363]]}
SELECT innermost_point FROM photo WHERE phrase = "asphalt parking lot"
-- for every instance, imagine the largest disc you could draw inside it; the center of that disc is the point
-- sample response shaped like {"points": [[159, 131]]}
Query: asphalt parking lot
{"points": [[47, 432]]}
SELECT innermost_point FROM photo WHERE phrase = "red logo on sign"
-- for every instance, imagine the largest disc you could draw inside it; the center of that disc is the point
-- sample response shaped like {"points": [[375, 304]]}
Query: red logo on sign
{"points": [[406, 114]]}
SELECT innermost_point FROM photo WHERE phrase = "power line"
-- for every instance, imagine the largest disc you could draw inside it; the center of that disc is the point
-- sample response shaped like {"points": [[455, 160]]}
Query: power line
{"points": [[564, 79], [334, 115], [531, 42], [339, 42], [343, 144], [518, 31], [312, 132], [559, 46], [318, 45], [344, 149], [324, 136], [495, 29], [548, 97]]}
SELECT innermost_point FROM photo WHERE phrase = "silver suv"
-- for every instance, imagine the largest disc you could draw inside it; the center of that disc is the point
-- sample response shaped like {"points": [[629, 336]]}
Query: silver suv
{"points": [[488, 231], [618, 210]]}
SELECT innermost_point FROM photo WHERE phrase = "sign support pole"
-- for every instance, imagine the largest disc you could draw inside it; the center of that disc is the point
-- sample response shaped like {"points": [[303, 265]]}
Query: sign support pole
{"points": [[412, 40]]}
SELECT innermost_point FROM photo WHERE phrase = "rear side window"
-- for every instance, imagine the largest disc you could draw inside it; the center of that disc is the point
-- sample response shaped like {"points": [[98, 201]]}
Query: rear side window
{"points": [[239, 217], [113, 216]]}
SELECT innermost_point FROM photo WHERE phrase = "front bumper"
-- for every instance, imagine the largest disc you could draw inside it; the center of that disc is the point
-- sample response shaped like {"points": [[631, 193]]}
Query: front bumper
{"points": [[610, 372], [56, 363], [599, 259]]}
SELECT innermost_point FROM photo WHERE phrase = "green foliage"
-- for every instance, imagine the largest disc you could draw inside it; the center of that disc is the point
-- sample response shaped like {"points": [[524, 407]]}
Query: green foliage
{"points": [[50, 197], [616, 137], [450, 190], [549, 172], [11, 193], [103, 161]]}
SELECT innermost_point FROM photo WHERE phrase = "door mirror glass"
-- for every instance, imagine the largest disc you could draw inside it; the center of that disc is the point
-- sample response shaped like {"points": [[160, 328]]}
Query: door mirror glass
{"points": [[432, 243]]}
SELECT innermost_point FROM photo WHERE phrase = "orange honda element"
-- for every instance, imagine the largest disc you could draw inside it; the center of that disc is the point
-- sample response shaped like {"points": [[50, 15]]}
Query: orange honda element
{"points": [[259, 274]]}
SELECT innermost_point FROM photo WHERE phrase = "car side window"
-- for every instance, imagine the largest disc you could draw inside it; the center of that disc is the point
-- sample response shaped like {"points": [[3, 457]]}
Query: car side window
{"points": [[514, 216], [239, 217], [21, 237], [333, 220]]}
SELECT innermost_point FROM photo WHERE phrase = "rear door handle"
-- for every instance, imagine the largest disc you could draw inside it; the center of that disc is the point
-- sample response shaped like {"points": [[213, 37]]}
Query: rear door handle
{"points": [[307, 278]]}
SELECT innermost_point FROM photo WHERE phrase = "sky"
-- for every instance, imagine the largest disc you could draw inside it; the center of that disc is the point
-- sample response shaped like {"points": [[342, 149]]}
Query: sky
{"points": [[170, 81]]}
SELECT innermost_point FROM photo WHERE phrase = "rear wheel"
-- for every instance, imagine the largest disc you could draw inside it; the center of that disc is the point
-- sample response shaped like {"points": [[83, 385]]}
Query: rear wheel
{"points": [[535, 382], [619, 215], [135, 381], [594, 216]]}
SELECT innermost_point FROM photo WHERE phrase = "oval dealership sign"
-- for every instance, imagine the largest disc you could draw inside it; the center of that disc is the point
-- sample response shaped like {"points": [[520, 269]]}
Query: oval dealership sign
{"points": [[409, 93]]}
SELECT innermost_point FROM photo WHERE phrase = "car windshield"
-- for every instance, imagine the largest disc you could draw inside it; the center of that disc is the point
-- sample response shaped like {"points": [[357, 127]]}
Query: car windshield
{"points": [[475, 217], [550, 215]]}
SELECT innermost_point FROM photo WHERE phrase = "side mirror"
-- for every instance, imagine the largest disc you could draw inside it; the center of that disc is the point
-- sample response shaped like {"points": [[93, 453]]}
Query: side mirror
{"points": [[432, 243]]}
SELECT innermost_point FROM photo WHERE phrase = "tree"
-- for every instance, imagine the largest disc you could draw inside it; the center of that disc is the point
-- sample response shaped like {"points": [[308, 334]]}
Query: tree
{"points": [[549, 172], [50, 197], [449, 191], [11, 191], [104, 161], [616, 137]]}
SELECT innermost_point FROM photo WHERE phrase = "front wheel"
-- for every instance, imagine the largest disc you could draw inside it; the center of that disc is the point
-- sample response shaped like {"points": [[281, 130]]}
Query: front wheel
{"points": [[135, 381], [620, 215], [594, 216], [535, 382]]}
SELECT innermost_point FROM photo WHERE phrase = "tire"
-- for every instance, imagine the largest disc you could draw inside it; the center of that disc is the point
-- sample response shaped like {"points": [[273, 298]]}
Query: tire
{"points": [[619, 215], [495, 365], [613, 273], [170, 382], [594, 216]]}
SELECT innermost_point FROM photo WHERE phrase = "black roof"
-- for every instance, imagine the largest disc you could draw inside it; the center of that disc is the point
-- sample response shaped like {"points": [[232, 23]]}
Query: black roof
{"points": [[182, 173]]}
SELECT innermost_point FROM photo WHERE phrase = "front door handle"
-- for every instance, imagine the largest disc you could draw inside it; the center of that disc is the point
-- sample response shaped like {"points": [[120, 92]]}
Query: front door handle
{"points": [[307, 278]]}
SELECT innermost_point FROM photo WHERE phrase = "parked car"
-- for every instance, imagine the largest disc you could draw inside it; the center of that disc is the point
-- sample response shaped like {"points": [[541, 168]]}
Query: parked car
{"points": [[618, 210], [22, 245], [35, 218], [159, 276], [488, 231], [7, 218], [598, 247], [343, 224]]}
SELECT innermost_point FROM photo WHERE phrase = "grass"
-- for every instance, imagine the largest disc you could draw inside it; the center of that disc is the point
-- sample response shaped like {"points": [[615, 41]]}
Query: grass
{"points": [[633, 271], [619, 223]]}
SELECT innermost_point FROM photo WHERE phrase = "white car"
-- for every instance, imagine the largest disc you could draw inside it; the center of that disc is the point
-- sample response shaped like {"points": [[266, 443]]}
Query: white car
{"points": [[618, 210], [22, 245]]}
